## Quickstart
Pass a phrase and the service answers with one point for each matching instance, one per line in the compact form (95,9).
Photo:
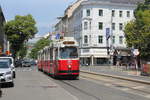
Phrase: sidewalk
(117,71)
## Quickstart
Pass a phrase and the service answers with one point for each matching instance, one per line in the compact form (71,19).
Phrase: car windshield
(9,59)
(4,64)
(68,52)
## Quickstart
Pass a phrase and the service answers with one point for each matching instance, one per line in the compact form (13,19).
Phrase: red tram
(60,58)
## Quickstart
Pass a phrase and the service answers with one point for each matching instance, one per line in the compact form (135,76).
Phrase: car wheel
(14,75)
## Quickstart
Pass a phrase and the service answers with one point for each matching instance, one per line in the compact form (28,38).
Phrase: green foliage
(19,30)
(40,44)
(22,52)
(137,31)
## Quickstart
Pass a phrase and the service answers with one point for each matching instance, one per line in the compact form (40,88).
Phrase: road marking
(147,96)
(138,87)
(24,70)
(107,84)
(125,89)
(74,97)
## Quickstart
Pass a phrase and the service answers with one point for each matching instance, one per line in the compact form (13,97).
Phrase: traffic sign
(107,33)
(57,36)
(136,52)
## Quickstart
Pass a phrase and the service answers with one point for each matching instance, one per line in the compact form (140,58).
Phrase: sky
(45,12)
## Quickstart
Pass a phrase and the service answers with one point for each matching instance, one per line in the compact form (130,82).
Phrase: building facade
(3,40)
(98,27)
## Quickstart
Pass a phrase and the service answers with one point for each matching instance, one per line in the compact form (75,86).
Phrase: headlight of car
(7,73)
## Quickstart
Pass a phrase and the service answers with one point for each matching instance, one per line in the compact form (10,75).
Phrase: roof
(4,60)
(119,1)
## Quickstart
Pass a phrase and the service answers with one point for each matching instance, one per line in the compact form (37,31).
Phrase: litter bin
(146,69)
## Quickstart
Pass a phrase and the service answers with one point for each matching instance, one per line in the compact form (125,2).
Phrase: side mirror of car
(12,66)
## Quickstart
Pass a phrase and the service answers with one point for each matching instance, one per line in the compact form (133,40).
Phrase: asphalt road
(33,85)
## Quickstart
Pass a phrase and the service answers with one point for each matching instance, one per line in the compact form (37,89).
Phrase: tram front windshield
(68,52)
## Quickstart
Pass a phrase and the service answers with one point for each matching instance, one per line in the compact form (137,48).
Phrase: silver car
(6,72)
(11,61)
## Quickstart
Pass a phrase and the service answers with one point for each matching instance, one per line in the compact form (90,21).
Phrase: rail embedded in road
(127,85)
(118,77)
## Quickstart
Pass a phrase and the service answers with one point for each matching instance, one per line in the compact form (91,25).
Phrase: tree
(22,52)
(40,44)
(137,32)
(19,31)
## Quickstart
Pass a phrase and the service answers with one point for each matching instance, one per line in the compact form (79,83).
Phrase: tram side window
(56,54)
(51,54)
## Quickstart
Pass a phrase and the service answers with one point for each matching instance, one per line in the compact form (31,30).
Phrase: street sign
(57,36)
(136,52)
(107,33)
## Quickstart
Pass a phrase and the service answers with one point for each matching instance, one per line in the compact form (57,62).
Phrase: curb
(118,77)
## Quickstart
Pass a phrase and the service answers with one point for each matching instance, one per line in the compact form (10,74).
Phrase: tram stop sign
(136,52)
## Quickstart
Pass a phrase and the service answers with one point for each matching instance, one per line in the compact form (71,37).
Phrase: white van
(11,61)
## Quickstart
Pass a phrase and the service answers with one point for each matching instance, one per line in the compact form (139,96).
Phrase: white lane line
(107,84)
(138,87)
(74,97)
(125,89)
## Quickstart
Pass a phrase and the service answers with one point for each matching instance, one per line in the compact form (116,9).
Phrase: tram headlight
(69,66)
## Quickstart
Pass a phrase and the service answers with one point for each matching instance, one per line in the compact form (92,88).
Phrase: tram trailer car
(60,58)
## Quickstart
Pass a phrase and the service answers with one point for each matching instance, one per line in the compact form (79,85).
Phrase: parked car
(6,72)
(26,64)
(18,63)
(33,62)
(11,61)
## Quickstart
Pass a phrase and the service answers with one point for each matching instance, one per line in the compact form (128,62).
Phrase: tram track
(122,84)
(80,90)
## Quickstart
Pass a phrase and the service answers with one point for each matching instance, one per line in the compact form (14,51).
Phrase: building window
(113,39)
(81,26)
(85,39)
(81,13)
(120,39)
(120,13)
(100,25)
(120,26)
(100,39)
(113,13)
(128,13)
(88,12)
(90,25)
(85,25)
(113,26)
(100,12)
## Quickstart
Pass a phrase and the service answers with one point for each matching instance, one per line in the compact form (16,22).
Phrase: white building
(88,23)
